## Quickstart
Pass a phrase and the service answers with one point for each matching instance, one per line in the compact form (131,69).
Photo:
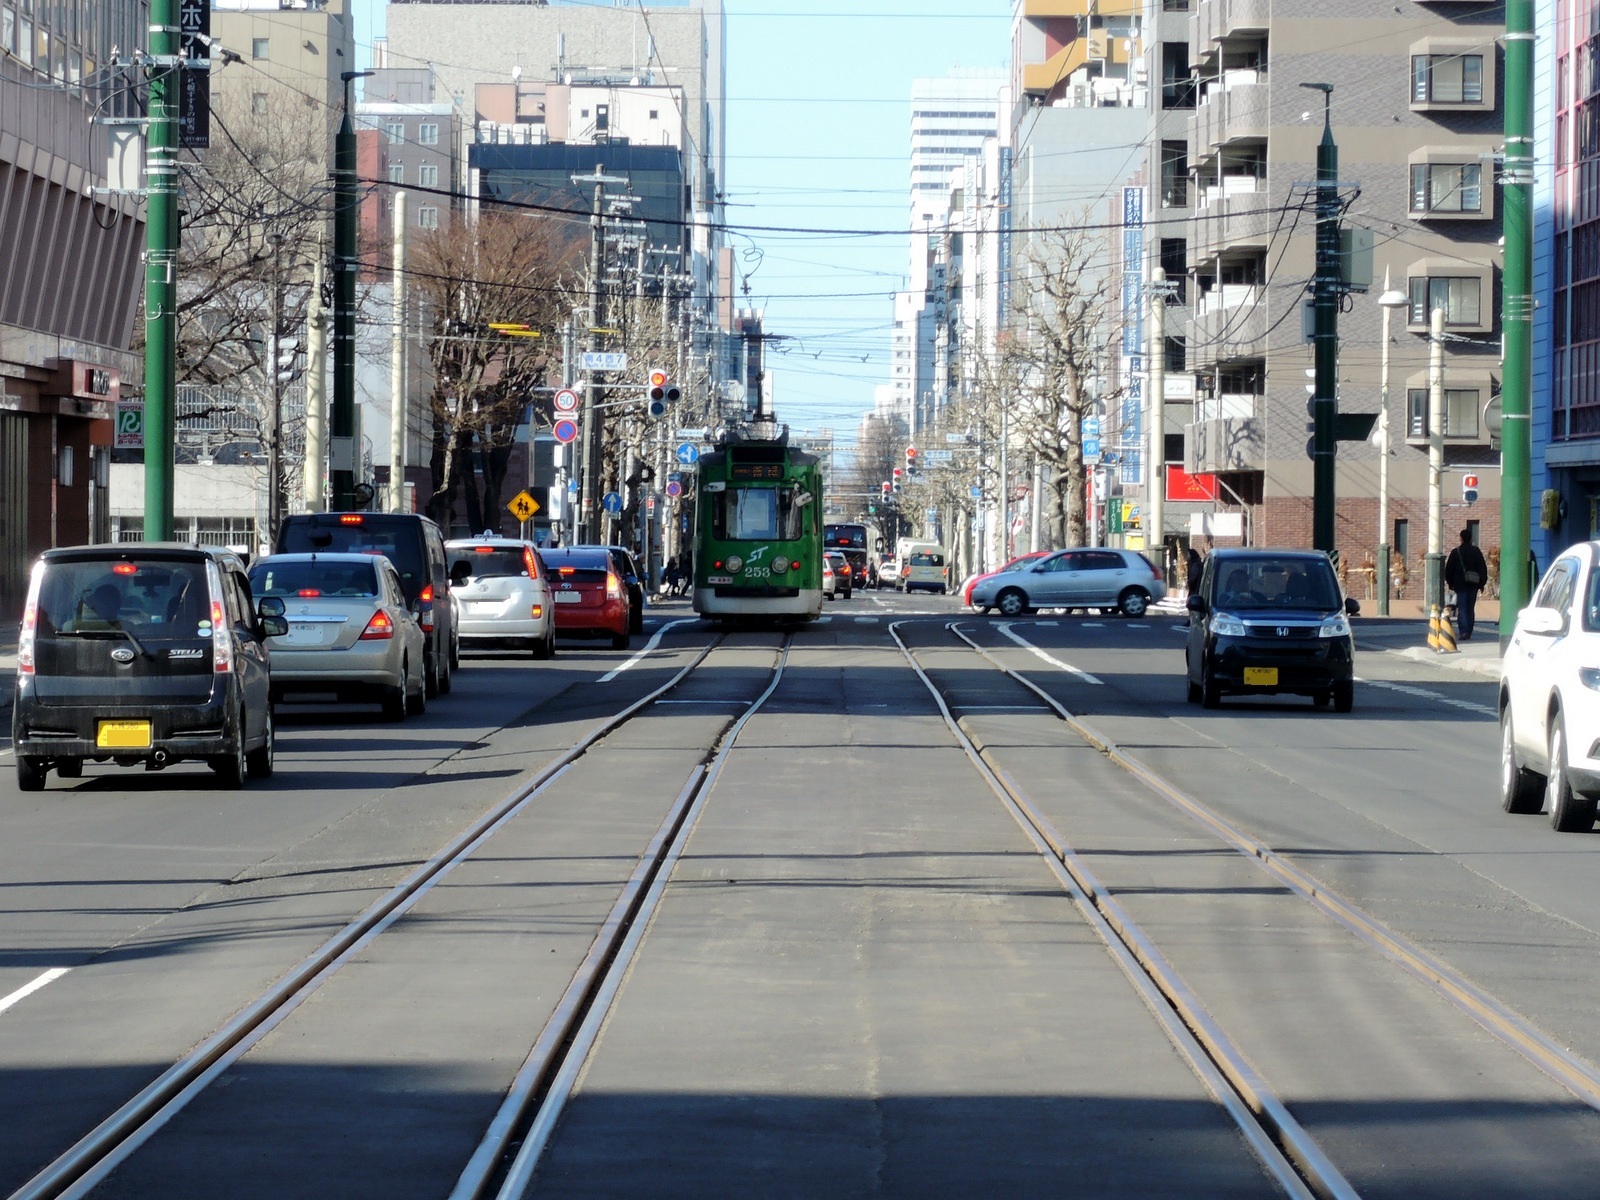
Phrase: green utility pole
(1516,389)
(344,454)
(1325,306)
(161,271)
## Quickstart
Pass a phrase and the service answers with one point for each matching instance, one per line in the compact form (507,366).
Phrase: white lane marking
(22,993)
(648,646)
(740,702)
(999,708)
(1046,624)
(866,620)
(1005,628)
(1423,694)
(1090,625)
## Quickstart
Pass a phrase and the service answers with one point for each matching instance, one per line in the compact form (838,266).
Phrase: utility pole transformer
(161,271)
(1516,389)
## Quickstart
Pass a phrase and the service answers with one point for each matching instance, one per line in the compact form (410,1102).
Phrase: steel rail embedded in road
(1495,1017)
(522,1169)
(1286,1150)
(93,1157)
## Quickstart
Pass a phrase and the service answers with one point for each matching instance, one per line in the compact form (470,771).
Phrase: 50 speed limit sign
(566,401)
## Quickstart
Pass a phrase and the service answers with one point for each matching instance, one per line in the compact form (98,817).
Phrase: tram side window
(757,514)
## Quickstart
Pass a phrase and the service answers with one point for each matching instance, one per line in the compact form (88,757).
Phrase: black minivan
(1271,622)
(415,545)
(143,654)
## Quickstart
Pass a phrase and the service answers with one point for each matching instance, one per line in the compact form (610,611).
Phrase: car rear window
(145,597)
(1276,583)
(921,559)
(269,578)
(400,541)
(484,562)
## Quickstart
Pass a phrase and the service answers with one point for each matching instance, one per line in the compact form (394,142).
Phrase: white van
(926,569)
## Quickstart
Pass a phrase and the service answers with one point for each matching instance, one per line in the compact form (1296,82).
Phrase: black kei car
(143,655)
(1271,622)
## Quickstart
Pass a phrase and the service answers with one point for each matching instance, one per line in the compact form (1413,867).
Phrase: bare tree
(1056,362)
(879,449)
(511,268)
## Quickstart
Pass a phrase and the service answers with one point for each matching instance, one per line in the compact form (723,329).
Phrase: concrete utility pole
(1325,304)
(344,452)
(589,500)
(399,403)
(161,271)
(1156,493)
(1433,579)
(274,365)
(313,474)
(1388,302)
(1516,316)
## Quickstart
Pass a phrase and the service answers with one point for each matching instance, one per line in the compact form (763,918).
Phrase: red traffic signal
(898,472)
(886,488)
(1469,481)
(662,389)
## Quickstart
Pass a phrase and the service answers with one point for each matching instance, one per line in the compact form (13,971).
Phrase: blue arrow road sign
(688,453)
(612,503)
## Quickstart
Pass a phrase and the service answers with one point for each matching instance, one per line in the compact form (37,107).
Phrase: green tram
(758,533)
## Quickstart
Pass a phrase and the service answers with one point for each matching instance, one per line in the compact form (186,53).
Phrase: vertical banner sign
(1132,432)
(194,83)
(1005,230)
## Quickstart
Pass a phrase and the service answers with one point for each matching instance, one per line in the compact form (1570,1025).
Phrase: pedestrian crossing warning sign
(523,506)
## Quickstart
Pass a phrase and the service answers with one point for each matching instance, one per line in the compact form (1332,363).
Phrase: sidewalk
(1408,637)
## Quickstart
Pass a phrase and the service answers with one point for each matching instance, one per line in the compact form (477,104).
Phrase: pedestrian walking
(673,577)
(686,575)
(1465,573)
(1192,571)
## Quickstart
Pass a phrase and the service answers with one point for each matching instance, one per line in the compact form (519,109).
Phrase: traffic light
(898,477)
(1469,488)
(911,459)
(886,490)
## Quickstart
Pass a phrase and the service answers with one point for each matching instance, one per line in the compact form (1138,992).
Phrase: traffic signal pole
(161,271)
(1325,306)
(1516,389)
(345,454)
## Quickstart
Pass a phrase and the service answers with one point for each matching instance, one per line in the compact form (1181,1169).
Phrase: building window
(1461,297)
(1446,188)
(655,114)
(428,176)
(1174,174)
(1178,86)
(1461,407)
(427,217)
(1447,79)
(258,104)
(428,134)
(397,172)
(1402,538)
(258,49)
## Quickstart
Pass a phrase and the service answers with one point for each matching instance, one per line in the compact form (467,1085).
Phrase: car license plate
(123,735)
(569,598)
(1261,676)
(302,633)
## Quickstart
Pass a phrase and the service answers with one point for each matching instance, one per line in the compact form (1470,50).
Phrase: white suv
(503,590)
(1550,696)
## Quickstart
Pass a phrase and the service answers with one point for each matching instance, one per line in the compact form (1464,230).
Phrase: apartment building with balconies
(1415,110)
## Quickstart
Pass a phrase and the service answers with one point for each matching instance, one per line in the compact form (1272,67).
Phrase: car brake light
(613,586)
(309,593)
(124,569)
(380,628)
(531,563)
(30,622)
(350,519)
(221,642)
(426,600)
(538,611)
(569,570)
(483,549)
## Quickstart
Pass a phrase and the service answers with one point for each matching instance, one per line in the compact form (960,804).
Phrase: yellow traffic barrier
(1433,629)
(1447,634)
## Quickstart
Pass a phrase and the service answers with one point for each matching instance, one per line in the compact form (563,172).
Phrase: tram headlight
(780,565)
(734,562)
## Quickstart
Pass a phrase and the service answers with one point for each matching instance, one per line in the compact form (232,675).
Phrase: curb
(1488,668)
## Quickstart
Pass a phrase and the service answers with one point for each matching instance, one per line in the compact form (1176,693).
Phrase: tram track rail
(90,1160)
(1577,1076)
(1287,1151)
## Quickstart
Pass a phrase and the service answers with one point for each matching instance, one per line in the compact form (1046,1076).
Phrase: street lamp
(1391,299)
(275,437)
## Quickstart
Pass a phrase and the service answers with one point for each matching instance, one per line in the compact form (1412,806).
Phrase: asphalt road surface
(1255,951)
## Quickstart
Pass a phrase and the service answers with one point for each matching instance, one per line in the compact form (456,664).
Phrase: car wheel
(30,774)
(446,677)
(397,699)
(1569,812)
(455,655)
(232,769)
(69,768)
(1133,602)
(550,645)
(1344,697)
(419,698)
(1011,603)
(1521,790)
(1322,699)
(1210,689)
(541,649)
(259,761)
(1193,695)
(430,675)
(619,641)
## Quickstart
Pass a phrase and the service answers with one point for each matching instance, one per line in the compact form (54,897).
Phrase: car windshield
(1276,583)
(312,577)
(486,562)
(144,597)
(756,514)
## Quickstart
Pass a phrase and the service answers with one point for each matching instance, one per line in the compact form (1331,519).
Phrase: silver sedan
(351,636)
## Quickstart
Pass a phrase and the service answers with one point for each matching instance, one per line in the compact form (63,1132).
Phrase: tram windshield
(757,514)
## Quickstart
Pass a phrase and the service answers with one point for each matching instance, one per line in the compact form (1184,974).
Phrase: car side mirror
(273,625)
(1543,622)
(1196,604)
(1352,606)
(270,606)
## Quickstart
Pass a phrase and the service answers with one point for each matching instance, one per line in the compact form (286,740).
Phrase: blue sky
(819,138)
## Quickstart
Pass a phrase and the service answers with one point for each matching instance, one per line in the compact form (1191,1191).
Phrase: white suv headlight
(1227,625)
(1335,626)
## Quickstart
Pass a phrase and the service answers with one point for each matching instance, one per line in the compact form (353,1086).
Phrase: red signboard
(1183,486)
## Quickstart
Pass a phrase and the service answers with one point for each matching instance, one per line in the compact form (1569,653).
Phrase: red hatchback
(588,593)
